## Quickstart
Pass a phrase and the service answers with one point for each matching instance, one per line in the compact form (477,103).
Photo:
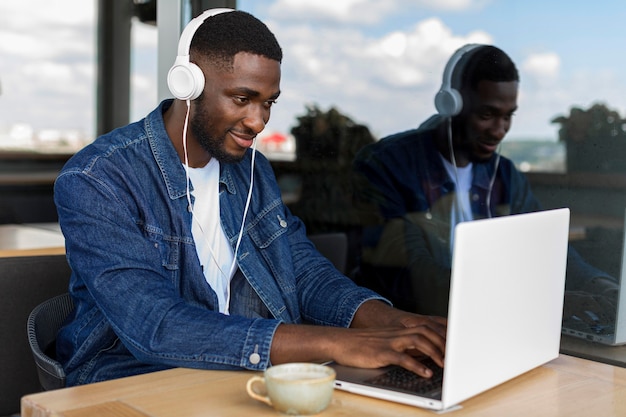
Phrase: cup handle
(255,380)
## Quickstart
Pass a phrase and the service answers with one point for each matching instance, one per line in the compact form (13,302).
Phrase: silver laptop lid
(506,300)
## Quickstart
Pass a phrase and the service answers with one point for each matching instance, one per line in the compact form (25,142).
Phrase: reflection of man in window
(423,182)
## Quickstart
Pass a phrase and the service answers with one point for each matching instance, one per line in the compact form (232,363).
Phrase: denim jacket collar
(164,152)
(439,179)
(166,156)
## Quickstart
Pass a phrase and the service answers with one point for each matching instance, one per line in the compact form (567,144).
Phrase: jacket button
(255,358)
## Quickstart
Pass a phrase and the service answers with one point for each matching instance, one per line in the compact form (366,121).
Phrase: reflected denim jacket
(142,302)
(405,179)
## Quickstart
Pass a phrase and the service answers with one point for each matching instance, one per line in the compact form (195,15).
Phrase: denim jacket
(142,302)
(404,180)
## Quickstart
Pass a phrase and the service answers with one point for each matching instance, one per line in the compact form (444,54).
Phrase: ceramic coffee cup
(294,388)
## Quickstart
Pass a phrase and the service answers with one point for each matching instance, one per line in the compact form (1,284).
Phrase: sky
(378,62)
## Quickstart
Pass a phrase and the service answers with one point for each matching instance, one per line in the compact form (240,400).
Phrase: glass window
(356,72)
(143,94)
(47,75)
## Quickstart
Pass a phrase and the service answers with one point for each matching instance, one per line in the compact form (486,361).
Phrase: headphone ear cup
(185,81)
(448,102)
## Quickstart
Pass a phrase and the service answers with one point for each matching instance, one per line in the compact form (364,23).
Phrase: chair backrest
(333,246)
(25,282)
(43,324)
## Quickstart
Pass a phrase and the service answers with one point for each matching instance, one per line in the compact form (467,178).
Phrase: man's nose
(499,128)
(256,118)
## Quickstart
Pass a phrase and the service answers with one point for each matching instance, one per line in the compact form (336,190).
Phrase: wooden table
(567,386)
(31,239)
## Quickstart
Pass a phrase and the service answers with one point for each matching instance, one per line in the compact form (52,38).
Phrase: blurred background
(354,71)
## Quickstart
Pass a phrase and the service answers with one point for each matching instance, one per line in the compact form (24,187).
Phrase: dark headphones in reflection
(185,79)
(449,103)
(448,100)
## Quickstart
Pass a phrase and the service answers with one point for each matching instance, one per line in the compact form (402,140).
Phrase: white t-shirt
(462,207)
(214,251)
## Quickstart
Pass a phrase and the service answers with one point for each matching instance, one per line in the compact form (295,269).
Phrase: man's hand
(379,336)
(590,308)
(375,313)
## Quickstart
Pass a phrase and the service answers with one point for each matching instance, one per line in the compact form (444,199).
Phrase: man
(164,271)
(411,180)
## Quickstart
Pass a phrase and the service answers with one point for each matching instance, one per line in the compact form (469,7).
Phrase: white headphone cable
(456,171)
(245,210)
(188,186)
(492,181)
(186,164)
(190,205)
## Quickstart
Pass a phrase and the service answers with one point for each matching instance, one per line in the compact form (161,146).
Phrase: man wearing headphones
(417,185)
(182,252)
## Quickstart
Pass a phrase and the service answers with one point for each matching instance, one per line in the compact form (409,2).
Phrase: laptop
(609,330)
(505,310)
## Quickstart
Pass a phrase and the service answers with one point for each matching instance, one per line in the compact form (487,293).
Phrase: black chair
(25,282)
(43,324)
(333,246)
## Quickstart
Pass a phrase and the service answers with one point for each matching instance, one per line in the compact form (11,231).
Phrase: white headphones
(185,79)
(448,100)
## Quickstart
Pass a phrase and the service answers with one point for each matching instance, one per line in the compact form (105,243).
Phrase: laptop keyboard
(401,379)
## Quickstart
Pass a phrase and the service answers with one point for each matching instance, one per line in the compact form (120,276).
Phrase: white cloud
(143,94)
(46,14)
(394,44)
(456,5)
(356,11)
(543,95)
(47,63)
(144,63)
(52,74)
(427,48)
(546,91)
(143,35)
(46,28)
(385,82)
(361,12)
(350,54)
(23,45)
(542,65)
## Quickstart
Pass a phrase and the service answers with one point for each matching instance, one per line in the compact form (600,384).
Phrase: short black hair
(484,63)
(224,35)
